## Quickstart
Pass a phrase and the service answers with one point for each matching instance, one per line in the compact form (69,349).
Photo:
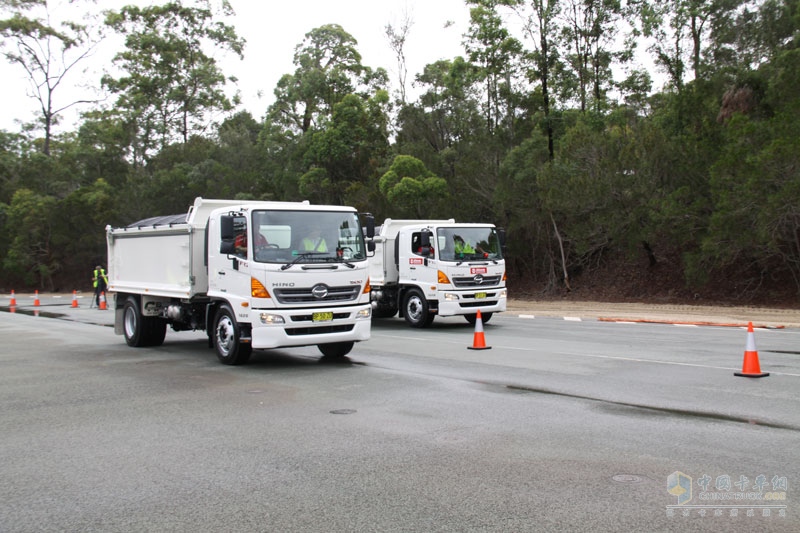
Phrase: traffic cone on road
(750,366)
(103,301)
(13,302)
(478,342)
(36,299)
(74,299)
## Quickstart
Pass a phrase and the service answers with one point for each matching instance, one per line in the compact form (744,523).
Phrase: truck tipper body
(244,272)
(418,272)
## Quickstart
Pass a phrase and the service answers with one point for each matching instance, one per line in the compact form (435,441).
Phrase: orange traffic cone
(74,299)
(750,367)
(479,343)
(103,301)
(36,299)
(13,302)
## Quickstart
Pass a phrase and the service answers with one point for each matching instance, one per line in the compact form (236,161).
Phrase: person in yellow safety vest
(462,248)
(315,242)
(100,283)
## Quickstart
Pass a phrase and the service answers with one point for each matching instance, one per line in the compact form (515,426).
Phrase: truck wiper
(300,257)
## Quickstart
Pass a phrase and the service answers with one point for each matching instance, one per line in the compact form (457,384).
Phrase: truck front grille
(306,295)
(471,281)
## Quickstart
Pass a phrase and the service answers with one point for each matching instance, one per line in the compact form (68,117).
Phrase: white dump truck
(424,268)
(253,275)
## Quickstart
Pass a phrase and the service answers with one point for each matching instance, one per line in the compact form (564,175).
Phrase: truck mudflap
(492,302)
(305,328)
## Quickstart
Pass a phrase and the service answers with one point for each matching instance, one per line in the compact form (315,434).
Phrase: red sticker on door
(414,260)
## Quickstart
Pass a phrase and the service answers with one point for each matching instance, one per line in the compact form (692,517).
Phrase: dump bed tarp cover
(166,220)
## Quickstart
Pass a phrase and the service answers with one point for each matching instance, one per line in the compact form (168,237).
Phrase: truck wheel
(335,349)
(384,311)
(485,317)
(226,339)
(141,331)
(415,309)
(132,323)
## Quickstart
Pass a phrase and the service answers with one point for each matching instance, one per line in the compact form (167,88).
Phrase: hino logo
(478,279)
(284,284)
(319,291)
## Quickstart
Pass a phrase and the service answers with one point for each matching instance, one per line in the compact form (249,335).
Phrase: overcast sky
(272,29)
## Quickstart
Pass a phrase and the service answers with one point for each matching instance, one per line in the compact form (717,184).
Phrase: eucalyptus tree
(171,84)
(681,33)
(343,156)
(50,51)
(540,26)
(414,191)
(590,33)
(326,133)
(328,67)
(496,57)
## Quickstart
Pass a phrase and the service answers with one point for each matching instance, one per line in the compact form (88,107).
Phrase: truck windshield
(294,237)
(468,243)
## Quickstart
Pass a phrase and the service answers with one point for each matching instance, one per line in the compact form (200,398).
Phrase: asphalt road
(563,425)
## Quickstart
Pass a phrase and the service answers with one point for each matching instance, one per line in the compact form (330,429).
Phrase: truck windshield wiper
(300,257)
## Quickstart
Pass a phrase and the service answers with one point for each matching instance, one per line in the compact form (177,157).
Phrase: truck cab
(422,269)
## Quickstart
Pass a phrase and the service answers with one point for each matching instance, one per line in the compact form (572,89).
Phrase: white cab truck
(253,275)
(419,271)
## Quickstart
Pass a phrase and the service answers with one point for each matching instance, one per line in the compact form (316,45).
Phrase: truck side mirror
(371,246)
(227,247)
(425,239)
(369,224)
(226,232)
(227,235)
(501,235)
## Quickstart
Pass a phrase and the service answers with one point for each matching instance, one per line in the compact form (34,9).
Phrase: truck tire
(141,331)
(335,349)
(485,317)
(415,309)
(384,311)
(230,351)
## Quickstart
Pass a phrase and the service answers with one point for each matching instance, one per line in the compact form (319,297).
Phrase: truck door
(417,259)
(229,270)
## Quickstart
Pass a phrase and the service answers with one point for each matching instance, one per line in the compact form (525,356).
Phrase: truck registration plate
(322,317)
(480,295)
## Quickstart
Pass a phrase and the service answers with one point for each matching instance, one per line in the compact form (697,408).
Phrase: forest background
(608,187)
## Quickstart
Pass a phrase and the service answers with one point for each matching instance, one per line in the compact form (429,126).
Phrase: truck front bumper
(453,303)
(304,327)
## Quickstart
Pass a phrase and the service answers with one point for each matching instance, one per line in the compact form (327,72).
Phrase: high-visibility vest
(311,245)
(102,274)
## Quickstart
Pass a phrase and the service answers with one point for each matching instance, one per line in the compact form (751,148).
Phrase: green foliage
(413,190)
(170,83)
(30,219)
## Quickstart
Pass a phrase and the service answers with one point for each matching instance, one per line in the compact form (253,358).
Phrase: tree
(541,28)
(30,254)
(495,54)
(397,42)
(328,68)
(349,149)
(171,87)
(591,29)
(413,190)
(49,51)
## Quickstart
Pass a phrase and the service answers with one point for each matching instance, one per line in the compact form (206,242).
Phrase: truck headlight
(503,293)
(364,313)
(450,297)
(269,318)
